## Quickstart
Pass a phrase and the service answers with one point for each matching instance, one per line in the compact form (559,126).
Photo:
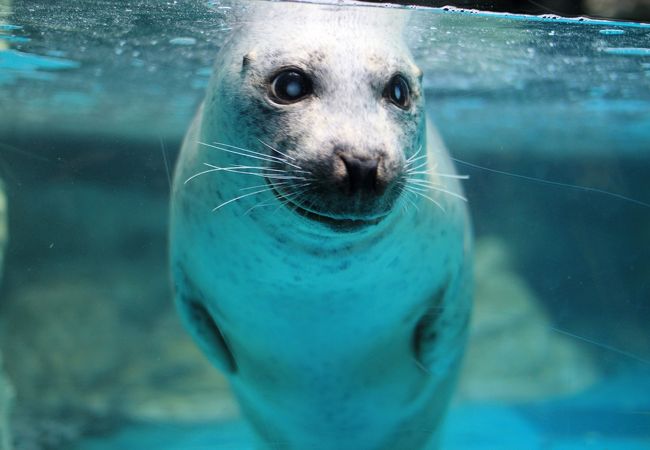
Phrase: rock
(513,354)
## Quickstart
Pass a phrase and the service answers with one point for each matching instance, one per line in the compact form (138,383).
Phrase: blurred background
(637,10)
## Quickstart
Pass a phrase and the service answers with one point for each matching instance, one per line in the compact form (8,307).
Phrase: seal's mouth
(336,223)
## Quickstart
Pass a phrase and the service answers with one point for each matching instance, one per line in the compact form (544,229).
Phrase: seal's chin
(336,223)
(342,224)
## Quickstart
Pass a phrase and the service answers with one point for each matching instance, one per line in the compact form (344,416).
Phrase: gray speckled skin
(330,339)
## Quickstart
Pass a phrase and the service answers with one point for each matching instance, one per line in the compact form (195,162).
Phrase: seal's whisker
(263,155)
(213,168)
(265,175)
(263,158)
(411,168)
(291,201)
(452,175)
(407,197)
(199,174)
(302,204)
(240,197)
(232,168)
(270,169)
(263,185)
(274,176)
(421,165)
(288,197)
(438,189)
(440,175)
(255,155)
(417,172)
(409,160)
(261,205)
(410,200)
(243,149)
(421,188)
(253,167)
(404,207)
(276,150)
(421,172)
(401,203)
(422,182)
(413,161)
(452,193)
(308,206)
(410,189)
(292,186)
(269,176)
(418,167)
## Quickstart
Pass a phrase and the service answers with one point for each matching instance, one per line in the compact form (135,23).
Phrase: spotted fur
(330,339)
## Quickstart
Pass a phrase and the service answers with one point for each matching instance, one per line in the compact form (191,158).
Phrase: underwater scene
(322,225)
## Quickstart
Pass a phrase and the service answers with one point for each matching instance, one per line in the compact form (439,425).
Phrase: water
(549,117)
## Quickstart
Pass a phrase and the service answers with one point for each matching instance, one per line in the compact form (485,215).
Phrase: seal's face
(339,116)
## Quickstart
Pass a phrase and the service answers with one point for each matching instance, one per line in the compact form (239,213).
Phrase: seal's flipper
(203,327)
(440,334)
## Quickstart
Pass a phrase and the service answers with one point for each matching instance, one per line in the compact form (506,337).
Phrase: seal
(319,238)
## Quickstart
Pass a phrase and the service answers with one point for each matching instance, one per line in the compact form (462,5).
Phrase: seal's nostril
(362,174)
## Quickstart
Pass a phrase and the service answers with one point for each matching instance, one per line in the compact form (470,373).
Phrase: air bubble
(612,32)
(183,41)
(628,51)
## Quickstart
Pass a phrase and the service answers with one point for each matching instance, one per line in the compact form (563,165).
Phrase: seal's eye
(290,86)
(398,92)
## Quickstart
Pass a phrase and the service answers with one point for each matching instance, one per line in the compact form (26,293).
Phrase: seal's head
(339,115)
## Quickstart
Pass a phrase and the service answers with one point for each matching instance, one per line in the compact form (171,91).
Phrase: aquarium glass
(549,118)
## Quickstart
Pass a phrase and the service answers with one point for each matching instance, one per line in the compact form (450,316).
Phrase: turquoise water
(549,117)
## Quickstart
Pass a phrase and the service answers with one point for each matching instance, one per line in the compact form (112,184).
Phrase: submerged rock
(513,353)
(106,341)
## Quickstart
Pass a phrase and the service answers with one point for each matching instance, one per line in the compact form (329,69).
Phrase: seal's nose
(362,174)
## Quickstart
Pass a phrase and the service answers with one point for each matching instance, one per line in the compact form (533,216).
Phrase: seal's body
(319,244)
